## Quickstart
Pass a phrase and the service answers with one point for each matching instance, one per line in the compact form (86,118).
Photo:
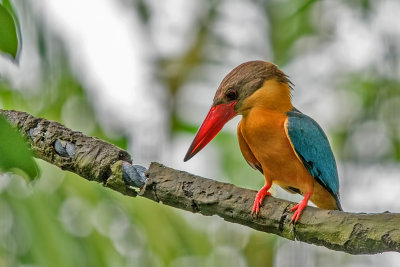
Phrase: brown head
(235,88)
(245,79)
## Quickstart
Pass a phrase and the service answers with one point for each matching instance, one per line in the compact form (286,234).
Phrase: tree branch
(96,160)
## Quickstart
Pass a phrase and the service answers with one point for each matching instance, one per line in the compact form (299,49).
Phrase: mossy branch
(96,160)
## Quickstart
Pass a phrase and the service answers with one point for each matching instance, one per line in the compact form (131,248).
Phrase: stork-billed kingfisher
(289,148)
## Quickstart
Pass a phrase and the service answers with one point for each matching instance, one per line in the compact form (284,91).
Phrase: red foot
(259,198)
(299,208)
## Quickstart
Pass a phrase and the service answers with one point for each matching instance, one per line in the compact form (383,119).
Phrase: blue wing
(312,147)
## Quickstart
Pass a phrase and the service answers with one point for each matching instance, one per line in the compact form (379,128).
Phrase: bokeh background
(142,73)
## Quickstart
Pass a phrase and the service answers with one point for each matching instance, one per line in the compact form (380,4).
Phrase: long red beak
(212,124)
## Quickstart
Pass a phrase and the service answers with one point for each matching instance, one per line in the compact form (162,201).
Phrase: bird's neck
(272,96)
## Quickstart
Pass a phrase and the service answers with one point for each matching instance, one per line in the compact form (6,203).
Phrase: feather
(313,149)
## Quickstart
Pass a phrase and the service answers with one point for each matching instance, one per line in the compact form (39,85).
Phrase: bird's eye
(232,95)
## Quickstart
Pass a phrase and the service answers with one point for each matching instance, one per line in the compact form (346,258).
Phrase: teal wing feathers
(312,146)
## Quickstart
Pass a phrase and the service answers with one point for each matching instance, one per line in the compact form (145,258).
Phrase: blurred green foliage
(291,20)
(378,103)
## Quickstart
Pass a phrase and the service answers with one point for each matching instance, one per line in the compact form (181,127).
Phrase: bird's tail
(338,205)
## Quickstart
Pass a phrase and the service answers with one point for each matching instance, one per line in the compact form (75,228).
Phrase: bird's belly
(289,173)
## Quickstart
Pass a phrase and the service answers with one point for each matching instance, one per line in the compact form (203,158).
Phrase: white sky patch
(110,54)
(172,25)
(99,38)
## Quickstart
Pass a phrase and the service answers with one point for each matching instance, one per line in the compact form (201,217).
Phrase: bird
(288,147)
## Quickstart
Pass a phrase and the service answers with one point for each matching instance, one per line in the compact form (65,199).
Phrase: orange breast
(263,130)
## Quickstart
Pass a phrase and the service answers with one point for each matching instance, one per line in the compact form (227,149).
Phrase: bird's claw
(299,208)
(256,207)
(296,214)
(259,198)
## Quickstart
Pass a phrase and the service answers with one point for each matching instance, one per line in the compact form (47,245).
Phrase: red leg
(259,198)
(299,207)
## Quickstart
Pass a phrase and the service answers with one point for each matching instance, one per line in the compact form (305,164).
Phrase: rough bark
(96,160)
(91,158)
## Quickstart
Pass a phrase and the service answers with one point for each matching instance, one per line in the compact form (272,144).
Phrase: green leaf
(14,153)
(9,31)
(7,4)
